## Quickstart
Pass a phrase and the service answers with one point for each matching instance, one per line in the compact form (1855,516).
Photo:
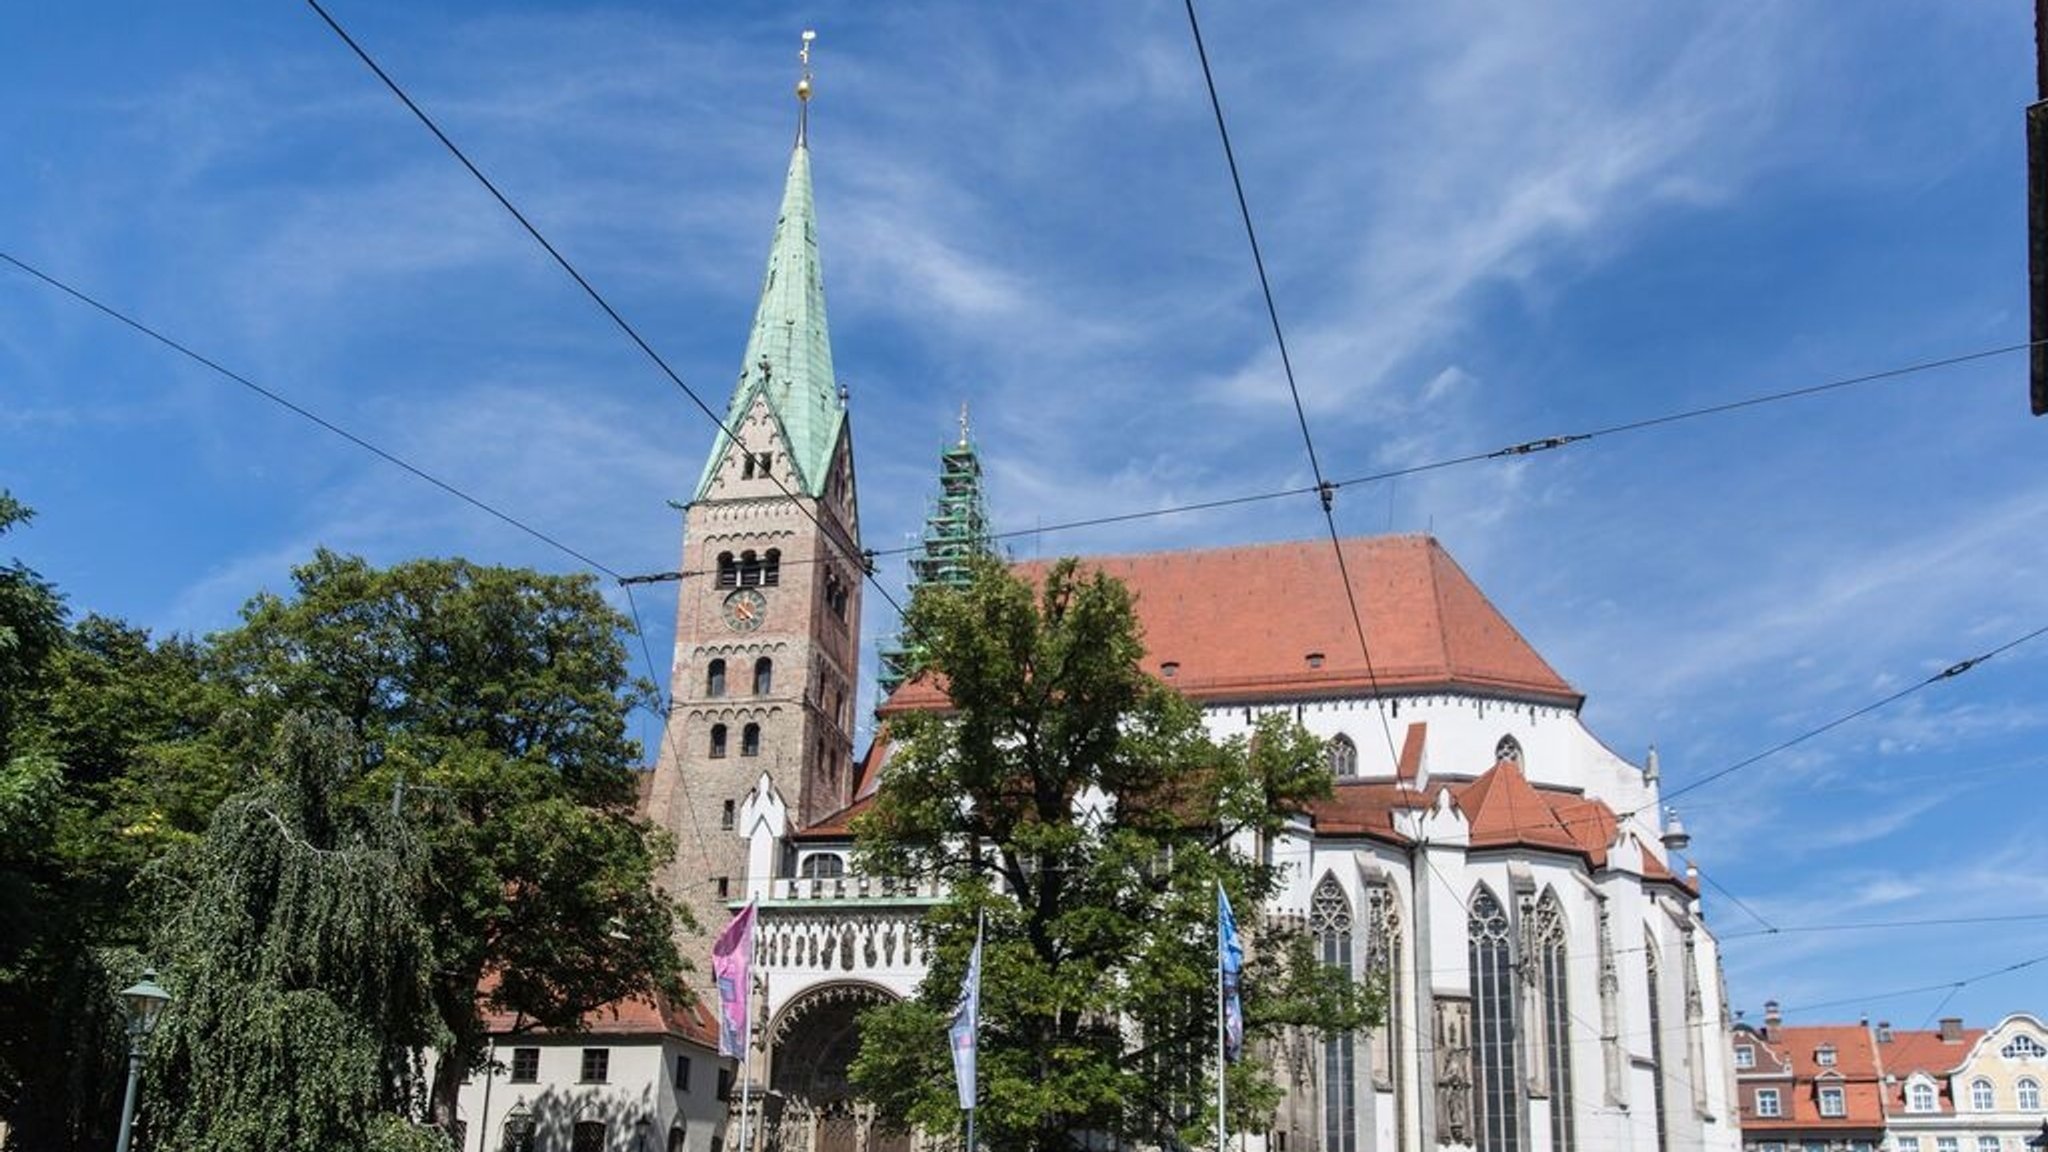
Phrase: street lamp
(519,1128)
(145,1001)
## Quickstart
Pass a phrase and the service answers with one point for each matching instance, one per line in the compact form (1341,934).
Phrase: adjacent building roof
(1855,1071)
(1272,621)
(653,1015)
(789,349)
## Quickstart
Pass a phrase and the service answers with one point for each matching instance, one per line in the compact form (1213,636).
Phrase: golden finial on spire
(803,85)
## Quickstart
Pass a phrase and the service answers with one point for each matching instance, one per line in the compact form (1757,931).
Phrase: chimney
(1771,1016)
(1884,1031)
(1951,1029)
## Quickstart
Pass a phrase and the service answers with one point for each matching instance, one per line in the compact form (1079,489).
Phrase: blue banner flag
(1229,963)
(965,1032)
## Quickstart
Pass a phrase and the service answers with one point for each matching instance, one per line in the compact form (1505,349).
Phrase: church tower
(768,616)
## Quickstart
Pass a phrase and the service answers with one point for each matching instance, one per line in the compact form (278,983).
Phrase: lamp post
(145,1000)
(519,1128)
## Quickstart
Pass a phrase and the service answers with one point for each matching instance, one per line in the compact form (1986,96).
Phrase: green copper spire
(956,532)
(789,351)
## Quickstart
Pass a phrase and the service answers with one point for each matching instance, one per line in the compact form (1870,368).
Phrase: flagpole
(747,1047)
(1222,1038)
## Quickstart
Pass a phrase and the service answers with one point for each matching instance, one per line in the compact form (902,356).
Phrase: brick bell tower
(768,626)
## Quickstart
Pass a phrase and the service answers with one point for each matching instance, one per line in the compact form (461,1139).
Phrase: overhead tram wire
(857,557)
(1951,986)
(1325,492)
(297,409)
(281,401)
(1521,448)
(1878,925)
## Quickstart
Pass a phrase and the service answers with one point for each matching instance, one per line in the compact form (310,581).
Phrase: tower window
(728,572)
(714,678)
(750,569)
(771,567)
(725,816)
(764,676)
(750,740)
(718,741)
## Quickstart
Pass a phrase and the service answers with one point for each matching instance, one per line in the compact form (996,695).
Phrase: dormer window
(1920,1097)
(1315,659)
(1832,1103)
(1170,669)
(1824,1056)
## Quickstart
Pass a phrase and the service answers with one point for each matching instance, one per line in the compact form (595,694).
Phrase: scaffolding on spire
(956,533)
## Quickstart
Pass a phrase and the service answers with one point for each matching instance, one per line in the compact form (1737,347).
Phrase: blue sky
(1485,223)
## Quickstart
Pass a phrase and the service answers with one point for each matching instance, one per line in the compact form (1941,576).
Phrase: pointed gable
(788,362)
(1505,809)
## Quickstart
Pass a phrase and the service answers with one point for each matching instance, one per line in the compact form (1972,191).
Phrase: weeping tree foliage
(1083,808)
(491,705)
(300,965)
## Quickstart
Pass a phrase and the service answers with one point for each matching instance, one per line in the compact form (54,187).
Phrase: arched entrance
(811,1045)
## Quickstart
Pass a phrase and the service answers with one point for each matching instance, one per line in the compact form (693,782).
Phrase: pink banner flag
(732,959)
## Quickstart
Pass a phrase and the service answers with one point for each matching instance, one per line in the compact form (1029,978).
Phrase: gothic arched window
(1549,937)
(1342,755)
(1508,751)
(750,740)
(717,741)
(714,678)
(1654,982)
(1330,919)
(764,676)
(771,568)
(728,571)
(1491,953)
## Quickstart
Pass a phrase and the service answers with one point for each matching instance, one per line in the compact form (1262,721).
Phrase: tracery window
(1330,919)
(1549,936)
(1491,953)
(1981,1097)
(1342,755)
(1655,984)
(1508,751)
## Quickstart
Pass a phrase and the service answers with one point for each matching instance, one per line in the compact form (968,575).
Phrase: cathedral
(1514,884)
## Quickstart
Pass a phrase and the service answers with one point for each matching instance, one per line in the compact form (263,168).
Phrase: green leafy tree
(300,965)
(1083,808)
(490,706)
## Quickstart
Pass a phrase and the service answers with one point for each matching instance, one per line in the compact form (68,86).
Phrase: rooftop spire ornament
(803,87)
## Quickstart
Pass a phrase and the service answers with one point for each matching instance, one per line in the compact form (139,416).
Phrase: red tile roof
(1914,1050)
(653,1015)
(1271,621)
(1855,1071)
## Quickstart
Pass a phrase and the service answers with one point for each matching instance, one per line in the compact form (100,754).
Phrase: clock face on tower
(745,610)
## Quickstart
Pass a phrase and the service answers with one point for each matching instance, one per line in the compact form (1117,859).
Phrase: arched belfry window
(1330,920)
(728,571)
(771,567)
(750,569)
(1342,755)
(1491,953)
(717,741)
(714,678)
(1508,751)
(1549,938)
(750,740)
(764,676)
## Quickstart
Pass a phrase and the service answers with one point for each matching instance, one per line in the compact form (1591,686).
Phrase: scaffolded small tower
(955,533)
